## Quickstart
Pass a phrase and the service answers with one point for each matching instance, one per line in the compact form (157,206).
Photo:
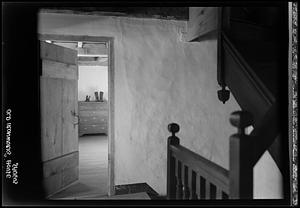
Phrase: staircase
(252,56)
(252,62)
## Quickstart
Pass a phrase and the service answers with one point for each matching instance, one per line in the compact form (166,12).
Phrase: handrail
(211,171)
(191,176)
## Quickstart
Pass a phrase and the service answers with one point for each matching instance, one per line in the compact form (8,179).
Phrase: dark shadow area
(21,95)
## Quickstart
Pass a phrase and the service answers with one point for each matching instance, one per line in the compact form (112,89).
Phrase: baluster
(198,186)
(213,191)
(202,188)
(171,179)
(207,189)
(192,184)
(176,176)
(179,186)
(219,193)
(240,161)
(186,189)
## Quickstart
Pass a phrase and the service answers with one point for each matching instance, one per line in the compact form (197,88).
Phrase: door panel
(59,123)
(58,53)
(59,70)
(70,122)
(60,172)
(51,118)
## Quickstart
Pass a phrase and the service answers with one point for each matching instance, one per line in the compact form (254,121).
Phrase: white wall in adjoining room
(91,79)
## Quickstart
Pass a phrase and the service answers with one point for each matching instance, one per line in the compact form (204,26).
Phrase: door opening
(94,116)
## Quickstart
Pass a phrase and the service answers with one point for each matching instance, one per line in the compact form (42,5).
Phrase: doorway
(95,115)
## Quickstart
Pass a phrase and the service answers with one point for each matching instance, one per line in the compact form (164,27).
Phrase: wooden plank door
(59,123)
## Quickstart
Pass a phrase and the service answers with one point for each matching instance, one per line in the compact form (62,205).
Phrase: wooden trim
(220,76)
(111,117)
(223,25)
(207,169)
(72,38)
(61,156)
(111,100)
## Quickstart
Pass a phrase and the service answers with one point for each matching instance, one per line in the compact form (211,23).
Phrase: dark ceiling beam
(176,13)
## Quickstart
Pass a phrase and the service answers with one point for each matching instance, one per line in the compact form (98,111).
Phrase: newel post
(240,157)
(171,179)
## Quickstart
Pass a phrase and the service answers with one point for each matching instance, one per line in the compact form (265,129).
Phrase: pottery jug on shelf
(101,96)
(96,96)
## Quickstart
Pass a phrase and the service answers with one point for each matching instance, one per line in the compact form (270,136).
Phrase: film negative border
(294,111)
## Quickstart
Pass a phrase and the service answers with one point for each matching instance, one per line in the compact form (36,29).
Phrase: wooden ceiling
(176,13)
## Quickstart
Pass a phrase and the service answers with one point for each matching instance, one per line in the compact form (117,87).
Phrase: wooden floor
(93,171)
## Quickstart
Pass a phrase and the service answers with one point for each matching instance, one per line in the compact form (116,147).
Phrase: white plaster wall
(267,178)
(158,80)
(268,181)
(91,79)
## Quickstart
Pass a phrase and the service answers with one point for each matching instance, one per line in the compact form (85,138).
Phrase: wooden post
(240,161)
(171,180)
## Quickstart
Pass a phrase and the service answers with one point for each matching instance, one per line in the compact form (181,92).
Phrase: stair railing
(193,177)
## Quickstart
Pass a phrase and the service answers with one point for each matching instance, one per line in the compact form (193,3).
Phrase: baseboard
(137,187)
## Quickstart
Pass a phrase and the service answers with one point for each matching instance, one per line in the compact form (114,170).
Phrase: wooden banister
(241,157)
(211,171)
(191,176)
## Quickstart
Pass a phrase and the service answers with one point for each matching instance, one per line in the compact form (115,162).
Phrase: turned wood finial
(173,128)
(241,120)
(223,95)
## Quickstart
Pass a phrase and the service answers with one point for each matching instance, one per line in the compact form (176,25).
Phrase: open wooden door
(59,120)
